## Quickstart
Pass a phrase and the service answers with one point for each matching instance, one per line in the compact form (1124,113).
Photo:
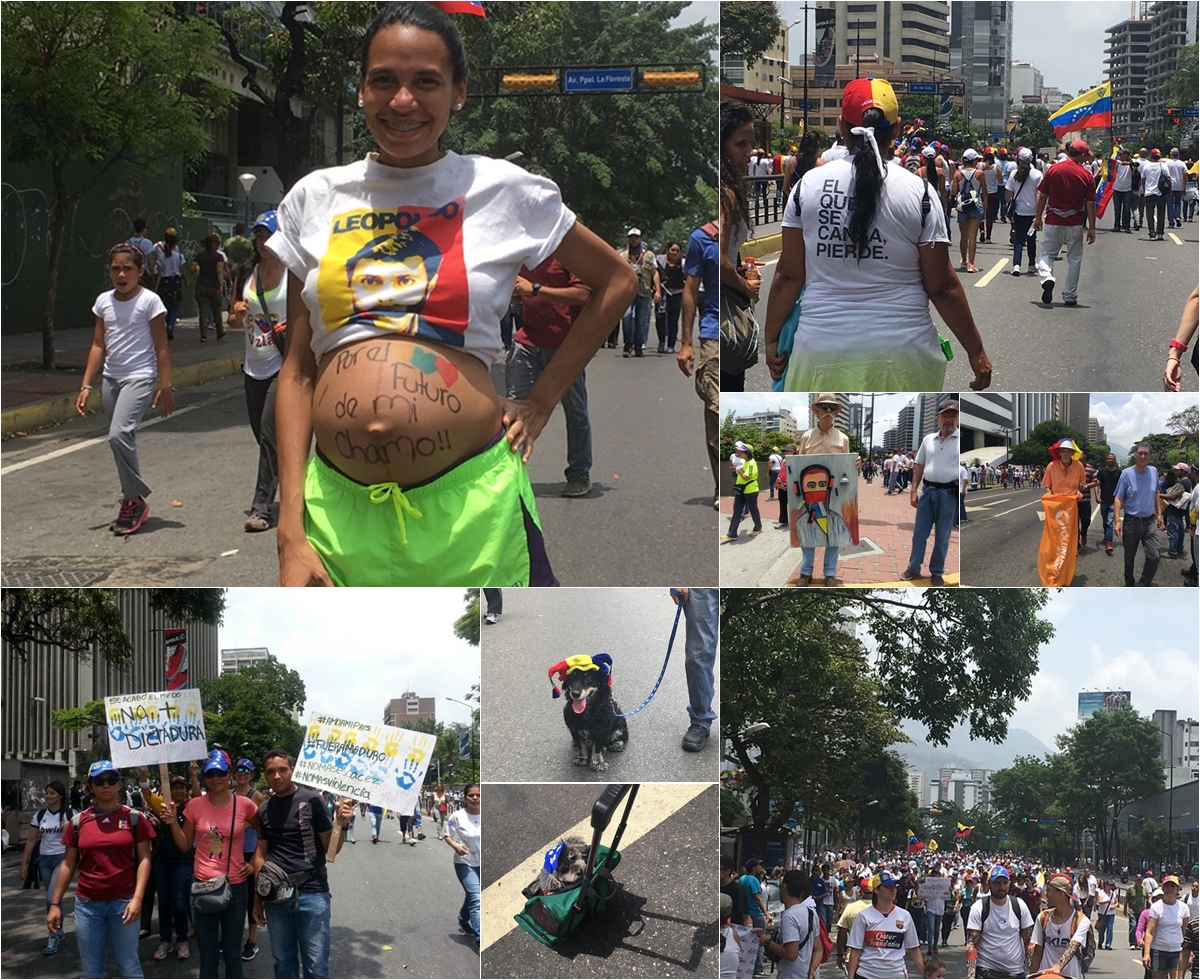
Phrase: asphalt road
(379,928)
(648,519)
(527,741)
(1004,530)
(663,922)
(1131,293)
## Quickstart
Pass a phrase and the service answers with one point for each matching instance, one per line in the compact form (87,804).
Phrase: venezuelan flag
(459,7)
(1091,110)
(1104,192)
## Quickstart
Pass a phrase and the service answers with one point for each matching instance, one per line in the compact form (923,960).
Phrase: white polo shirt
(939,457)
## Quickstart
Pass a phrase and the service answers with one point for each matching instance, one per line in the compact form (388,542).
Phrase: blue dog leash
(667,660)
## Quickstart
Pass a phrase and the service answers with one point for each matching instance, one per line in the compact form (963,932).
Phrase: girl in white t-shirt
(402,266)
(463,835)
(858,229)
(1021,190)
(260,308)
(46,828)
(130,338)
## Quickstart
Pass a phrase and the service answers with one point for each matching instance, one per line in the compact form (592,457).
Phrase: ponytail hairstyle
(170,240)
(734,115)
(806,159)
(868,175)
(931,173)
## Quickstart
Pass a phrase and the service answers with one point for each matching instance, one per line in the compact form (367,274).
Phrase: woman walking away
(171,277)
(970,194)
(130,337)
(260,308)
(45,833)
(109,844)
(462,834)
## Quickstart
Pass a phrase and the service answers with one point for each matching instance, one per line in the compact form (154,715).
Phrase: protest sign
(934,889)
(160,726)
(822,500)
(383,765)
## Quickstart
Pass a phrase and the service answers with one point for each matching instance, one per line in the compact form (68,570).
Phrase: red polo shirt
(545,323)
(1068,187)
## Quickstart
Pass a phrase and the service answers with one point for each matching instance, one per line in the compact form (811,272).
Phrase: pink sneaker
(183,952)
(132,516)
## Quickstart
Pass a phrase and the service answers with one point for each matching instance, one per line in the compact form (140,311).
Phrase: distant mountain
(964,753)
(1121,452)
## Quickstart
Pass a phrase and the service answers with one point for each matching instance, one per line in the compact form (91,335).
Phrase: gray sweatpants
(125,402)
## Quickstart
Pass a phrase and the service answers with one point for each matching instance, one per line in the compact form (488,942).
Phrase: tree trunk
(58,234)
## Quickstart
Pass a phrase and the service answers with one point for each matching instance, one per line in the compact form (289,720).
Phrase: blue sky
(356,649)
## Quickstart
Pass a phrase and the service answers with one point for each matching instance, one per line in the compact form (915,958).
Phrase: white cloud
(1143,413)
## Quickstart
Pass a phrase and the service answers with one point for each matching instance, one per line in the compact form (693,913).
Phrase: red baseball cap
(869,93)
(1078,146)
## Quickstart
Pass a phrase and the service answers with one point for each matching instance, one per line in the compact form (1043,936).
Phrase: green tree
(1181,87)
(1021,794)
(800,664)
(749,28)
(466,627)
(617,158)
(1033,451)
(1113,759)
(923,107)
(733,808)
(751,435)
(250,710)
(89,87)
(1186,423)
(1033,128)
(1164,449)
(87,622)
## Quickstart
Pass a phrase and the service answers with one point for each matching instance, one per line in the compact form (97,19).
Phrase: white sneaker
(1016,270)
(491,619)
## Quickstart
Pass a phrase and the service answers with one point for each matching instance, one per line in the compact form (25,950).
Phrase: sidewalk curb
(61,408)
(758,247)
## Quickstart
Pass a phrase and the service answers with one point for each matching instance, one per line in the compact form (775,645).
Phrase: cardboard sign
(822,500)
(162,726)
(383,765)
(934,889)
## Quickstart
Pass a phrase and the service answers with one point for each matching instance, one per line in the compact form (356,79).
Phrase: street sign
(598,80)
(922,88)
(1191,110)
(950,88)
(1046,820)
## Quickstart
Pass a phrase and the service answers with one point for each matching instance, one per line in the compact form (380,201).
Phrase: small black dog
(590,711)
(564,866)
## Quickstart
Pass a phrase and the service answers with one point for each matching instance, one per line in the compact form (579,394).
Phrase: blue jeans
(1121,210)
(48,868)
(1175,531)
(300,933)
(222,929)
(468,915)
(758,922)
(173,884)
(636,322)
(1106,518)
(935,511)
(96,925)
(376,819)
(1104,929)
(525,365)
(808,560)
(933,929)
(962,508)
(701,615)
(1175,206)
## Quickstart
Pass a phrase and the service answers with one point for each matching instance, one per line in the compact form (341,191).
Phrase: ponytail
(869,175)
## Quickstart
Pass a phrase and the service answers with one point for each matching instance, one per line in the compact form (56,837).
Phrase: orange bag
(1060,540)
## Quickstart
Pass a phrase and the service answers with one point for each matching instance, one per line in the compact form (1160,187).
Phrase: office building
(843,416)
(234,660)
(763,75)
(1128,52)
(1026,84)
(1071,408)
(967,788)
(919,786)
(981,52)
(1030,409)
(780,421)
(408,708)
(910,35)
(1172,26)
(1093,430)
(983,419)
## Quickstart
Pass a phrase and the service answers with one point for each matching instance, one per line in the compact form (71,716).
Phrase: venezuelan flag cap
(869,93)
(1065,447)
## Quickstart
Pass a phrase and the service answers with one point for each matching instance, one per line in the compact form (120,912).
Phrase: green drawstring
(382,492)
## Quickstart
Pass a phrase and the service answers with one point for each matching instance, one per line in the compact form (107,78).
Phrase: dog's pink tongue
(579,706)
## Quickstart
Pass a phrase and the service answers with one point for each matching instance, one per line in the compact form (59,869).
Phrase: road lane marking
(502,899)
(101,440)
(995,271)
(1175,238)
(1014,509)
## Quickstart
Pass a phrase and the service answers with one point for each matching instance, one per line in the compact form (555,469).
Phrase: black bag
(739,332)
(1164,181)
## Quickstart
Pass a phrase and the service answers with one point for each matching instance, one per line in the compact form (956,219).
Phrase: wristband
(1177,344)
(85,388)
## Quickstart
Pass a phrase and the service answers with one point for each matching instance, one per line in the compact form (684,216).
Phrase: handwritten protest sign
(934,889)
(383,765)
(161,726)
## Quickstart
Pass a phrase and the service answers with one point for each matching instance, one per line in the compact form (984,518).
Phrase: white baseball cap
(970,154)
(634,231)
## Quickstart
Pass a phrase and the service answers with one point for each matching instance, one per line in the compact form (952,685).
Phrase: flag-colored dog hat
(601,662)
(1065,446)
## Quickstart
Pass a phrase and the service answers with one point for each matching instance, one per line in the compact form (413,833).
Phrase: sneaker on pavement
(132,516)
(908,574)
(52,943)
(491,618)
(1048,291)
(577,486)
(183,951)
(937,580)
(716,503)
(694,738)
(1016,270)
(1070,302)
(250,950)
(256,523)
(729,537)
(163,951)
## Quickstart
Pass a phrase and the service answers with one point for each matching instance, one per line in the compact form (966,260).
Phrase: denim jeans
(1175,206)
(1022,241)
(962,508)
(173,885)
(96,925)
(1104,929)
(1106,518)
(808,561)
(222,929)
(260,407)
(1175,530)
(48,865)
(300,933)
(933,926)
(376,819)
(758,922)
(525,365)
(636,322)
(674,308)
(701,614)
(1121,210)
(935,511)
(468,915)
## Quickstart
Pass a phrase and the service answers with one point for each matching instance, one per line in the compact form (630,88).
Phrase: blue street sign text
(598,80)
(922,88)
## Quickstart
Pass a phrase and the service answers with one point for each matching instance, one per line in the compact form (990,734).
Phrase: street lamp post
(1170,794)
(247,180)
(782,103)
(470,729)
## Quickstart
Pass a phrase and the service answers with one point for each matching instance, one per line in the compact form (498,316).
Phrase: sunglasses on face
(105,780)
(243,772)
(472,796)
(827,408)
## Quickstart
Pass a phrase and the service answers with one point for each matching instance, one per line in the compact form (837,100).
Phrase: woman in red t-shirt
(109,844)
(216,823)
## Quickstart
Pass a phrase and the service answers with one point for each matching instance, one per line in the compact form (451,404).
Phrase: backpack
(826,942)
(1087,953)
(739,329)
(968,195)
(1164,180)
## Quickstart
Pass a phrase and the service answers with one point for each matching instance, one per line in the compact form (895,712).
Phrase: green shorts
(474,525)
